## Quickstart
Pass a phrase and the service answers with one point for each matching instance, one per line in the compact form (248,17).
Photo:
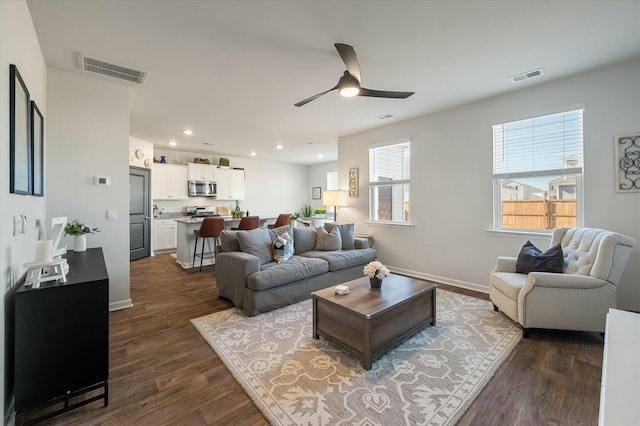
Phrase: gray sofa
(247,275)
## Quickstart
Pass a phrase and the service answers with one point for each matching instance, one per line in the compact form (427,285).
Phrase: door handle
(147,217)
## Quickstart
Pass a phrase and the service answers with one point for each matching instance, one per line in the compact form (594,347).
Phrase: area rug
(430,379)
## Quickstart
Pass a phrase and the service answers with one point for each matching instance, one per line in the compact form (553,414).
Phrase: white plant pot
(80,243)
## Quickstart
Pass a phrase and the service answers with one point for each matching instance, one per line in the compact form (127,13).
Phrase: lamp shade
(334,198)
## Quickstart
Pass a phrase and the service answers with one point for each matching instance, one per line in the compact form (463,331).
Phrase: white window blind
(332,181)
(390,163)
(389,183)
(539,146)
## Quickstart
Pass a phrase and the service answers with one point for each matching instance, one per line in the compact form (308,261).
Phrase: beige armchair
(577,299)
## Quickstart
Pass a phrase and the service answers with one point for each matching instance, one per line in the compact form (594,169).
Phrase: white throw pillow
(282,248)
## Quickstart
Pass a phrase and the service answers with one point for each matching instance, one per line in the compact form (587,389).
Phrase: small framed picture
(37,144)
(353,183)
(19,135)
(627,166)
(316,193)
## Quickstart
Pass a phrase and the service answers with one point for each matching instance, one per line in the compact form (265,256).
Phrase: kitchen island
(186,239)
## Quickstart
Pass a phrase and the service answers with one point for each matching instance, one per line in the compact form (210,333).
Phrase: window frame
(577,171)
(394,182)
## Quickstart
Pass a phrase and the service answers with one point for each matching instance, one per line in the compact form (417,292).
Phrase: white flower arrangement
(375,269)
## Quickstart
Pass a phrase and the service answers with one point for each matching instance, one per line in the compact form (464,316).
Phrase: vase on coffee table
(375,282)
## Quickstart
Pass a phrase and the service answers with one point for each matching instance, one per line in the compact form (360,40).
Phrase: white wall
(142,145)
(87,136)
(16,24)
(318,177)
(271,188)
(451,181)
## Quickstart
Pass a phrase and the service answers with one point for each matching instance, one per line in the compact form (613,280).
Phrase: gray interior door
(139,214)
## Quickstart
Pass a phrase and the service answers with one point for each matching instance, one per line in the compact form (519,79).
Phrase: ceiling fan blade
(306,101)
(349,58)
(384,94)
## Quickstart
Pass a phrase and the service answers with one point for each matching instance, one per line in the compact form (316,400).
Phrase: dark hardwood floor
(163,373)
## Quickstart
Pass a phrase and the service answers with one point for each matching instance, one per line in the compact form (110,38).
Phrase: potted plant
(306,210)
(79,231)
(237,214)
(224,162)
(320,212)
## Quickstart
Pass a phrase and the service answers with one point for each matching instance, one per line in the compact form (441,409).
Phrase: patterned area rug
(430,379)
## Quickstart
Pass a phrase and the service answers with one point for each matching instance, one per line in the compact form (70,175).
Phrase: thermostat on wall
(102,180)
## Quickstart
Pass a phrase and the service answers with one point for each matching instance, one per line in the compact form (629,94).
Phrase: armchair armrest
(232,270)
(361,243)
(505,264)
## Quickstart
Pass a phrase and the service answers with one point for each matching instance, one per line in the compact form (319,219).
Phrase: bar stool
(211,227)
(247,223)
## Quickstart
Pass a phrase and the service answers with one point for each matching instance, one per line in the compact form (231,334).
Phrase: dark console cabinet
(62,335)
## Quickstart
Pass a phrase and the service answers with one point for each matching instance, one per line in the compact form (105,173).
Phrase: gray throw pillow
(229,241)
(276,232)
(257,243)
(346,233)
(304,239)
(328,241)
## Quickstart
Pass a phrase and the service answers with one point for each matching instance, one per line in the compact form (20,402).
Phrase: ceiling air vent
(527,75)
(110,69)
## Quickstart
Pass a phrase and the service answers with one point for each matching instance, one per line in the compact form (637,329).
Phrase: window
(389,181)
(332,185)
(537,172)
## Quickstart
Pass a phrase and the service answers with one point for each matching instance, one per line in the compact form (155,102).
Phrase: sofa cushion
(342,259)
(282,248)
(304,239)
(531,259)
(509,283)
(256,242)
(346,233)
(328,241)
(229,241)
(276,274)
(276,232)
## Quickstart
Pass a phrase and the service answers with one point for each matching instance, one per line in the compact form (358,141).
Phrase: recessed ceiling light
(253,154)
(279,146)
(320,155)
(173,143)
(187,132)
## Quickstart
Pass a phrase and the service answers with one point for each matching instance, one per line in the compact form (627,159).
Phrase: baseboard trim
(444,280)
(121,304)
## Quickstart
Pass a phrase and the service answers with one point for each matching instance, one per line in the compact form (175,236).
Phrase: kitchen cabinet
(169,182)
(165,234)
(198,171)
(229,184)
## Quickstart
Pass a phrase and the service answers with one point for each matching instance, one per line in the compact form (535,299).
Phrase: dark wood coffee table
(370,322)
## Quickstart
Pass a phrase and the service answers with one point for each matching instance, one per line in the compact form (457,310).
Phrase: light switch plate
(112,214)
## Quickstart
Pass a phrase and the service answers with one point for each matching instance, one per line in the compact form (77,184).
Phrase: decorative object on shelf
(147,163)
(335,199)
(316,193)
(353,183)
(223,162)
(163,159)
(320,212)
(79,231)
(155,160)
(201,160)
(376,272)
(20,181)
(139,154)
(306,210)
(37,144)
(223,210)
(628,163)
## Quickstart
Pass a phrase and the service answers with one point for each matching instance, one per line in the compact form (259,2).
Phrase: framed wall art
(37,144)
(353,183)
(316,193)
(19,135)
(627,167)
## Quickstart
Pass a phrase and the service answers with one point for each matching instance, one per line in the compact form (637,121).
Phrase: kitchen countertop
(170,215)
(226,219)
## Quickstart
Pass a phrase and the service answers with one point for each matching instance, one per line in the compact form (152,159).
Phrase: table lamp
(335,199)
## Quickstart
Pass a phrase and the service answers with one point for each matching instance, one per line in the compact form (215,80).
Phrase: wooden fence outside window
(538,214)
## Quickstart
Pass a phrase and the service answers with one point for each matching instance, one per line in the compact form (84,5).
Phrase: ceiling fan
(349,83)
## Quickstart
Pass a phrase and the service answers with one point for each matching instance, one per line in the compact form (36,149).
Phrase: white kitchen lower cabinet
(165,233)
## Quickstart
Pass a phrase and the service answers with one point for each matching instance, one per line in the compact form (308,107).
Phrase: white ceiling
(232,70)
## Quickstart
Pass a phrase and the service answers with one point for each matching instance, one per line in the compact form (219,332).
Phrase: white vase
(80,243)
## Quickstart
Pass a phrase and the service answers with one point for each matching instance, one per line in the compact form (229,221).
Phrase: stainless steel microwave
(199,188)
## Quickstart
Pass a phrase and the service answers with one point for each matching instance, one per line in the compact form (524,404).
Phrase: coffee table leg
(315,318)
(366,346)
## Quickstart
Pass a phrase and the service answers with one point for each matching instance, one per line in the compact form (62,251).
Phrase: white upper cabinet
(204,172)
(169,182)
(229,184)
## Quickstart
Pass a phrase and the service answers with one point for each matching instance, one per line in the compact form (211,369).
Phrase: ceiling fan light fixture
(348,85)
(348,92)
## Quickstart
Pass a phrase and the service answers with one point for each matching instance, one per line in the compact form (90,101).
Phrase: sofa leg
(495,308)
(525,333)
